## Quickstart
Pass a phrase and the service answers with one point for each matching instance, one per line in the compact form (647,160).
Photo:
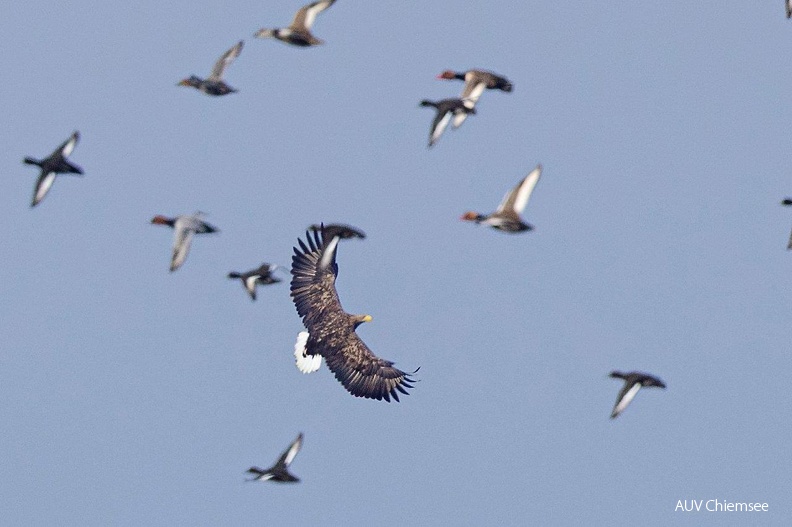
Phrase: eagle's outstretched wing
(331,330)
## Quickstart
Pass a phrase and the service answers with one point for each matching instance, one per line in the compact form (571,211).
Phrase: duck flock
(329,333)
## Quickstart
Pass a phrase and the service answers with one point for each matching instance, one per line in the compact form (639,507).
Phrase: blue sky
(135,396)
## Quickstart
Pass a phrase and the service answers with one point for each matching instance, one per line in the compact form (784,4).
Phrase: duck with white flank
(262,275)
(633,381)
(343,231)
(52,165)
(214,84)
(445,109)
(331,330)
(507,217)
(299,31)
(184,228)
(476,81)
(280,470)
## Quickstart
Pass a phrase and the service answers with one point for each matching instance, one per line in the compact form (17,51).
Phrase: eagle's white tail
(305,363)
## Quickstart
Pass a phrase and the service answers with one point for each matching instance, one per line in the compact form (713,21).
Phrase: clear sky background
(133,396)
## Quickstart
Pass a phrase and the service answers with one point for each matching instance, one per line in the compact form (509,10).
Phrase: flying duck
(445,109)
(262,275)
(789,8)
(633,381)
(331,330)
(214,84)
(280,470)
(55,163)
(476,81)
(787,202)
(341,230)
(299,31)
(507,217)
(184,227)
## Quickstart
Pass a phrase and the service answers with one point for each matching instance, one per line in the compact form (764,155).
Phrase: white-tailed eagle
(331,330)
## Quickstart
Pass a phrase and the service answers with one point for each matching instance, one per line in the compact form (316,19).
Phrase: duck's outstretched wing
(288,455)
(304,18)
(625,397)
(517,198)
(225,61)
(182,240)
(67,147)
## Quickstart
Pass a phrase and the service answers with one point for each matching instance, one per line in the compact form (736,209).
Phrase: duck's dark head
(426,102)
(192,80)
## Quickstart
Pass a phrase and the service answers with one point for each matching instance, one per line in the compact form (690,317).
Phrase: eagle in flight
(331,330)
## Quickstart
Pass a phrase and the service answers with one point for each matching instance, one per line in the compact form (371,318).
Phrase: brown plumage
(331,330)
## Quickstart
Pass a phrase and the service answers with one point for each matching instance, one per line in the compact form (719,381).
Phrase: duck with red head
(476,81)
(184,227)
(507,217)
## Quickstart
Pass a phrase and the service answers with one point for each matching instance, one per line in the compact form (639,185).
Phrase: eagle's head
(359,319)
